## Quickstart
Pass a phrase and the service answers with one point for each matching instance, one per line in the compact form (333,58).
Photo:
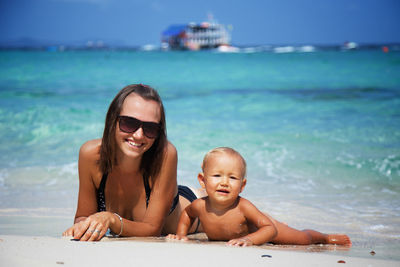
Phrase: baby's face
(223,177)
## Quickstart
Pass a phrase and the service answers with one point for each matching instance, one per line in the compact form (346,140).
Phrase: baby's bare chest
(224,227)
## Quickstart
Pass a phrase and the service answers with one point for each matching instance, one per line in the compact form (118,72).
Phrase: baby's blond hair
(226,150)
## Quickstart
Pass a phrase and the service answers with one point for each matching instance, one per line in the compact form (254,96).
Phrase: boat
(193,36)
(349,46)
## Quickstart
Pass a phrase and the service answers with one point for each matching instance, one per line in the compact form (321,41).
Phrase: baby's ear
(244,181)
(200,177)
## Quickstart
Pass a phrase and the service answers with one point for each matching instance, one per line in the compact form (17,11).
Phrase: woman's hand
(93,228)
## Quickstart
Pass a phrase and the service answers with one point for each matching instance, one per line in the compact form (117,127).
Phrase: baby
(225,216)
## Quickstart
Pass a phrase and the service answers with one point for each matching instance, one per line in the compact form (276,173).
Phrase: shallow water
(320,131)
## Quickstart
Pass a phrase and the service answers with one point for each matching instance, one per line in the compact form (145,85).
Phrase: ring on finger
(91,231)
(97,231)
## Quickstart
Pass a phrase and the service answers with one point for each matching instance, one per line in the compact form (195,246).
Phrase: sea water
(320,132)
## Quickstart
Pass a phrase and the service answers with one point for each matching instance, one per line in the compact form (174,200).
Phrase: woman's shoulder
(90,150)
(170,153)
(171,149)
(89,156)
(91,146)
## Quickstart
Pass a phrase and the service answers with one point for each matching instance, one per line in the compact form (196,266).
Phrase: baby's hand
(242,242)
(177,237)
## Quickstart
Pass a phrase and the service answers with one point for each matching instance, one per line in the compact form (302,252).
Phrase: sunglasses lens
(131,125)
(128,124)
(151,129)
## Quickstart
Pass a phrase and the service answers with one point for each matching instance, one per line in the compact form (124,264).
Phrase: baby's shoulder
(198,203)
(245,204)
(195,208)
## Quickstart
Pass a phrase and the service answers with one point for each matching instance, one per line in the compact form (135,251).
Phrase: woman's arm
(266,229)
(87,169)
(164,189)
(87,201)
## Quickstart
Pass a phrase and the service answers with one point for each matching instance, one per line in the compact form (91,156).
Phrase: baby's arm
(186,220)
(266,230)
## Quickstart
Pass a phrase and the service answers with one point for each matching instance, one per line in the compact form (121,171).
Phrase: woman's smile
(134,144)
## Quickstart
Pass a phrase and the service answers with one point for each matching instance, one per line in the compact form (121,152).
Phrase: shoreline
(43,226)
(50,251)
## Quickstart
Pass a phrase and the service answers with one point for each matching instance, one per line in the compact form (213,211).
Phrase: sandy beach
(51,251)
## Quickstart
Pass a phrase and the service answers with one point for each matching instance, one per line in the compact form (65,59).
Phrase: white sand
(50,251)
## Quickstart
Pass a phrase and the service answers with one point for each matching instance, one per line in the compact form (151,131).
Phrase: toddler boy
(225,216)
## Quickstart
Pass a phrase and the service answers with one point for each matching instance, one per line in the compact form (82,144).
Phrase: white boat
(349,46)
(227,49)
(284,49)
(192,36)
(306,49)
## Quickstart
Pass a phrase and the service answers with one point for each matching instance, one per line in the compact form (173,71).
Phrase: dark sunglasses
(131,125)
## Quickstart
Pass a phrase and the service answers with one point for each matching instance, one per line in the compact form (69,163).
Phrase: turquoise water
(320,131)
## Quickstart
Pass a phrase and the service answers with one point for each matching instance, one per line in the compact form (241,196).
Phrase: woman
(127,180)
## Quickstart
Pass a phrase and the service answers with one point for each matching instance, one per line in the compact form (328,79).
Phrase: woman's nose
(139,133)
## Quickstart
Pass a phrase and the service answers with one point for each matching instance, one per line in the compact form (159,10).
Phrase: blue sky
(140,22)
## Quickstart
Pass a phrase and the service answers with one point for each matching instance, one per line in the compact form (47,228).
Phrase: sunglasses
(131,125)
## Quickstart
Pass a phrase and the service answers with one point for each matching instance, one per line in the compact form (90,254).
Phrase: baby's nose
(224,180)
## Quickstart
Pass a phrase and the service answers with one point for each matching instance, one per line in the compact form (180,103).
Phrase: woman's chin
(133,151)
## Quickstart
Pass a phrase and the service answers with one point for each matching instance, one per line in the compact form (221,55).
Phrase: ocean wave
(386,166)
(389,166)
(38,212)
(335,94)
(49,134)
(12,94)
(46,178)
(350,160)
(305,94)
(378,227)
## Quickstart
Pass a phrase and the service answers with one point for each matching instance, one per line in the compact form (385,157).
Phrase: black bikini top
(101,199)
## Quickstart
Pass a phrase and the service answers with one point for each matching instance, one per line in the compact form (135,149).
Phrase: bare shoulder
(244,201)
(91,147)
(245,204)
(166,178)
(89,155)
(170,161)
(171,150)
(196,207)
(199,203)
(89,152)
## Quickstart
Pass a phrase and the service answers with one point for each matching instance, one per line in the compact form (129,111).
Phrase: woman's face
(136,143)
